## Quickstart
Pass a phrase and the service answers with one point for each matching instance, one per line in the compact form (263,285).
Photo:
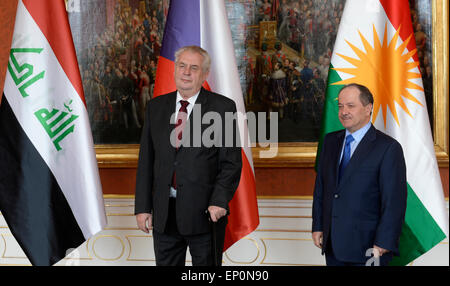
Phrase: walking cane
(214,239)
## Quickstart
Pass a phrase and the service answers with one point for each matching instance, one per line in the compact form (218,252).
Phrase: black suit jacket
(367,207)
(205,175)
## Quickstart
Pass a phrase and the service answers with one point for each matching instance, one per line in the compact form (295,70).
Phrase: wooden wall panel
(118,181)
(285,181)
(269,181)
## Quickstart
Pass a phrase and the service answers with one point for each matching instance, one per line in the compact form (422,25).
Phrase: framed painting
(118,43)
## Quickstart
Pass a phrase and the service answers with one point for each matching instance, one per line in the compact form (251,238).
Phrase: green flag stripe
(330,121)
(420,231)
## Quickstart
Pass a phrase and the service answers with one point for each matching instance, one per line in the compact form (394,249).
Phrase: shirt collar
(191,99)
(359,134)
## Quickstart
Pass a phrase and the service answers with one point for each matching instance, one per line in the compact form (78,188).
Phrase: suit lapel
(170,107)
(202,99)
(364,147)
(169,110)
(337,154)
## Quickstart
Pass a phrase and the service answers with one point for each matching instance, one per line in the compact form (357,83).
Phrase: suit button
(175,163)
(336,196)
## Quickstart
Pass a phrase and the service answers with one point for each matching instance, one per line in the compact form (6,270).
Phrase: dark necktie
(346,156)
(179,126)
(181,120)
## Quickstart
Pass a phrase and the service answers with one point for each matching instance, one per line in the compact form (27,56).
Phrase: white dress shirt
(190,106)
(358,135)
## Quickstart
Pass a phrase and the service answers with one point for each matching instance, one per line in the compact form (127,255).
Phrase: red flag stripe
(164,80)
(399,14)
(244,203)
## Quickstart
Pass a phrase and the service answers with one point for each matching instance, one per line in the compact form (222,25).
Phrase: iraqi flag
(375,47)
(50,192)
(204,23)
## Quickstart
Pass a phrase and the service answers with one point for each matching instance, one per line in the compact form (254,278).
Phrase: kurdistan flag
(375,47)
(50,192)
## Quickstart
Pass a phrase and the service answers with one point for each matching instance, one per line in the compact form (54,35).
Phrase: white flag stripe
(223,77)
(422,168)
(74,167)
(373,15)
(423,179)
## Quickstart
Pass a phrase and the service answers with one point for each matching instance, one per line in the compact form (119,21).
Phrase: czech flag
(204,23)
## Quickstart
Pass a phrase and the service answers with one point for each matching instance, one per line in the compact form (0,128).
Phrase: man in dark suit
(360,191)
(179,178)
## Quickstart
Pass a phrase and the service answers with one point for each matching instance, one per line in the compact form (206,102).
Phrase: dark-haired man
(360,190)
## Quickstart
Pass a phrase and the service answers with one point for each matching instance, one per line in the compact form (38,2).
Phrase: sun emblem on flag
(386,70)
